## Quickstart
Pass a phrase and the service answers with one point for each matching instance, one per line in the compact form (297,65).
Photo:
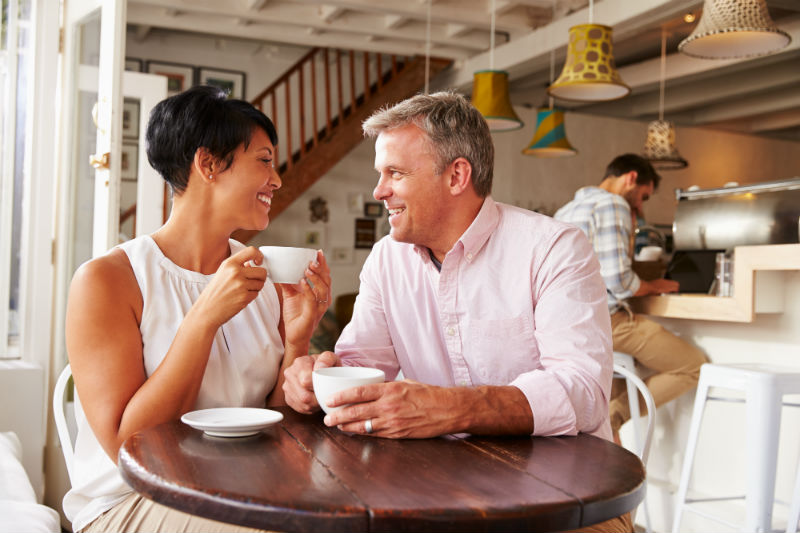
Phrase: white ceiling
(758,96)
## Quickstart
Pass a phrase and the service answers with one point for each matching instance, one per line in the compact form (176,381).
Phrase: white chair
(59,414)
(635,387)
(764,387)
(794,513)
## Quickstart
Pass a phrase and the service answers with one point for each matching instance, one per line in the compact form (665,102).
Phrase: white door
(90,126)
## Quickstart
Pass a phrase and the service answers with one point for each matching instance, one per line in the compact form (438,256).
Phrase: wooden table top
(300,475)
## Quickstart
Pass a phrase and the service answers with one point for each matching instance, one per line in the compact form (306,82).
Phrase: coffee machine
(709,221)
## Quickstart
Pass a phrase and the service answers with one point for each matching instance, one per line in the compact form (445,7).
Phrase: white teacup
(328,381)
(286,264)
(649,253)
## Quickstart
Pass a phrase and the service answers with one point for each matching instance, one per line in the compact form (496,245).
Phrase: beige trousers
(620,524)
(137,513)
(674,362)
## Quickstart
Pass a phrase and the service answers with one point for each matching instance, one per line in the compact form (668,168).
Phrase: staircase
(318,106)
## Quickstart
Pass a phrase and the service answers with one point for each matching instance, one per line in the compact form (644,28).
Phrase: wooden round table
(300,475)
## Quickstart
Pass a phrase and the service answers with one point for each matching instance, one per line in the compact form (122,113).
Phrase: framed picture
(365,232)
(355,203)
(134,64)
(179,77)
(230,81)
(130,161)
(341,256)
(373,209)
(130,118)
(313,239)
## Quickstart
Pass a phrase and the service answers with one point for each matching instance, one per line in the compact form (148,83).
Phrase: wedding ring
(368,426)
(322,301)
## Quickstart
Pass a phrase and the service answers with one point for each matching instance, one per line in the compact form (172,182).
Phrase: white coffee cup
(328,381)
(286,264)
(649,253)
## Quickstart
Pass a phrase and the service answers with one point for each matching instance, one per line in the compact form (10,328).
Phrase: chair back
(60,416)
(644,451)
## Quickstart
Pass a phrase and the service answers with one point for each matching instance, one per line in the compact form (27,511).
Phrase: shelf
(757,284)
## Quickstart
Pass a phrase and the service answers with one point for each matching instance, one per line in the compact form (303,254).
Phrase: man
(496,315)
(605,213)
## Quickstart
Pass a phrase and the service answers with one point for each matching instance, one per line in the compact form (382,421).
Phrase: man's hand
(398,409)
(409,409)
(657,286)
(298,388)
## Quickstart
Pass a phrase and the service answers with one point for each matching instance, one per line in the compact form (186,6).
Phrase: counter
(757,288)
(760,323)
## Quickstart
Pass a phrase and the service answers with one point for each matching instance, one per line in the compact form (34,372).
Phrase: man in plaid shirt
(606,213)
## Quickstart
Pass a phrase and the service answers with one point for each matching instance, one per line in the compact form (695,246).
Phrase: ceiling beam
(753,105)
(295,35)
(277,23)
(440,13)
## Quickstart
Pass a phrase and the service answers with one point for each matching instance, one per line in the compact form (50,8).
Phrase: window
(15,69)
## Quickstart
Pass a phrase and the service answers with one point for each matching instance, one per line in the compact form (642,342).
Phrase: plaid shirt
(606,219)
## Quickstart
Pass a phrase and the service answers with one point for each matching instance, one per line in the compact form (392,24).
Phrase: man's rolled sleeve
(569,393)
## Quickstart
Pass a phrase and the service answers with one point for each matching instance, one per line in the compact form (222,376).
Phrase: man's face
(638,195)
(409,187)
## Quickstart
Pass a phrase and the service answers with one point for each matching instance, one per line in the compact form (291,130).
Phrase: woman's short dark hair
(622,164)
(204,117)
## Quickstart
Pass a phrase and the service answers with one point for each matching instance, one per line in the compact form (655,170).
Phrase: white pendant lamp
(659,147)
(734,28)
(589,74)
(490,94)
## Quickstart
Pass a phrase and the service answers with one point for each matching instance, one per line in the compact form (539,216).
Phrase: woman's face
(247,186)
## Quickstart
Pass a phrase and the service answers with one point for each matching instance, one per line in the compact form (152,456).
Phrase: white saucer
(232,421)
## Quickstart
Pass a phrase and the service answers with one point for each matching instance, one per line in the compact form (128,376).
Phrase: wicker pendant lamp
(734,28)
(659,147)
(589,74)
(490,94)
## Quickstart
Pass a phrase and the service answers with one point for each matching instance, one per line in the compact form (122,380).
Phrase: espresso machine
(709,221)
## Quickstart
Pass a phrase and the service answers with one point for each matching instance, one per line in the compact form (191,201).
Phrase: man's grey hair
(454,129)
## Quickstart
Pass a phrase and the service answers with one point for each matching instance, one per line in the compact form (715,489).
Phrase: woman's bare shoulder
(108,276)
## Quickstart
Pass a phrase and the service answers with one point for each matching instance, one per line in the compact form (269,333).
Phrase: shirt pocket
(499,350)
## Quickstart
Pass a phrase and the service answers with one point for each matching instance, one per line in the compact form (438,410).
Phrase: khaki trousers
(674,362)
(137,513)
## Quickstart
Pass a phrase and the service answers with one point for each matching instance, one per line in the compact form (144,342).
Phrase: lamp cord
(591,11)
(428,47)
(491,41)
(663,74)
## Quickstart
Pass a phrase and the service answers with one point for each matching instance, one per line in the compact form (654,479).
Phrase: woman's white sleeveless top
(241,370)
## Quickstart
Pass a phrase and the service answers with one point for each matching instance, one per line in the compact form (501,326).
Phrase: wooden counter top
(756,288)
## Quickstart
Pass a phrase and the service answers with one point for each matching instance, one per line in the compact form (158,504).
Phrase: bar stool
(627,362)
(764,387)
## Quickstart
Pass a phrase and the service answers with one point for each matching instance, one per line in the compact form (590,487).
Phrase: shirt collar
(477,233)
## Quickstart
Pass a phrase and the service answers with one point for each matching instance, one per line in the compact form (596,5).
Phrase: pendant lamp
(490,94)
(659,147)
(589,74)
(734,28)
(549,137)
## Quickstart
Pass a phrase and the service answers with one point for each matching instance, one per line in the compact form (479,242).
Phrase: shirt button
(462,383)
(451,331)
(469,257)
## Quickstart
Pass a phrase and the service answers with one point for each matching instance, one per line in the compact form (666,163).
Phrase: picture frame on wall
(130,118)
(365,232)
(373,209)
(134,64)
(130,161)
(230,81)
(179,76)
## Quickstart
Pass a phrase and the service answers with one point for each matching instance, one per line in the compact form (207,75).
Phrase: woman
(183,319)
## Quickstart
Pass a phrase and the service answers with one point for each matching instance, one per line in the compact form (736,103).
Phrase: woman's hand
(234,286)
(305,303)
